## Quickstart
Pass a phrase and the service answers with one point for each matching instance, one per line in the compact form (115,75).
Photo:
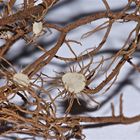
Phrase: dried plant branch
(37,115)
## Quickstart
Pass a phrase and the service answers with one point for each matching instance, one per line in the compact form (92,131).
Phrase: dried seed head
(37,27)
(21,79)
(74,82)
(6,34)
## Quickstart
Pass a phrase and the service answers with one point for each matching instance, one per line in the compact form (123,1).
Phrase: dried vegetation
(38,92)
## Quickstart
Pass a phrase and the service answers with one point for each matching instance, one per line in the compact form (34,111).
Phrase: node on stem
(74,82)
(21,79)
(6,34)
(37,28)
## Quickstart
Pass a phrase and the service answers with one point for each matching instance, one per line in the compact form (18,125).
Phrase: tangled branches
(36,113)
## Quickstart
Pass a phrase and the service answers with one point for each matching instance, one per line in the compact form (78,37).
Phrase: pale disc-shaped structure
(6,34)
(74,82)
(37,27)
(21,79)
